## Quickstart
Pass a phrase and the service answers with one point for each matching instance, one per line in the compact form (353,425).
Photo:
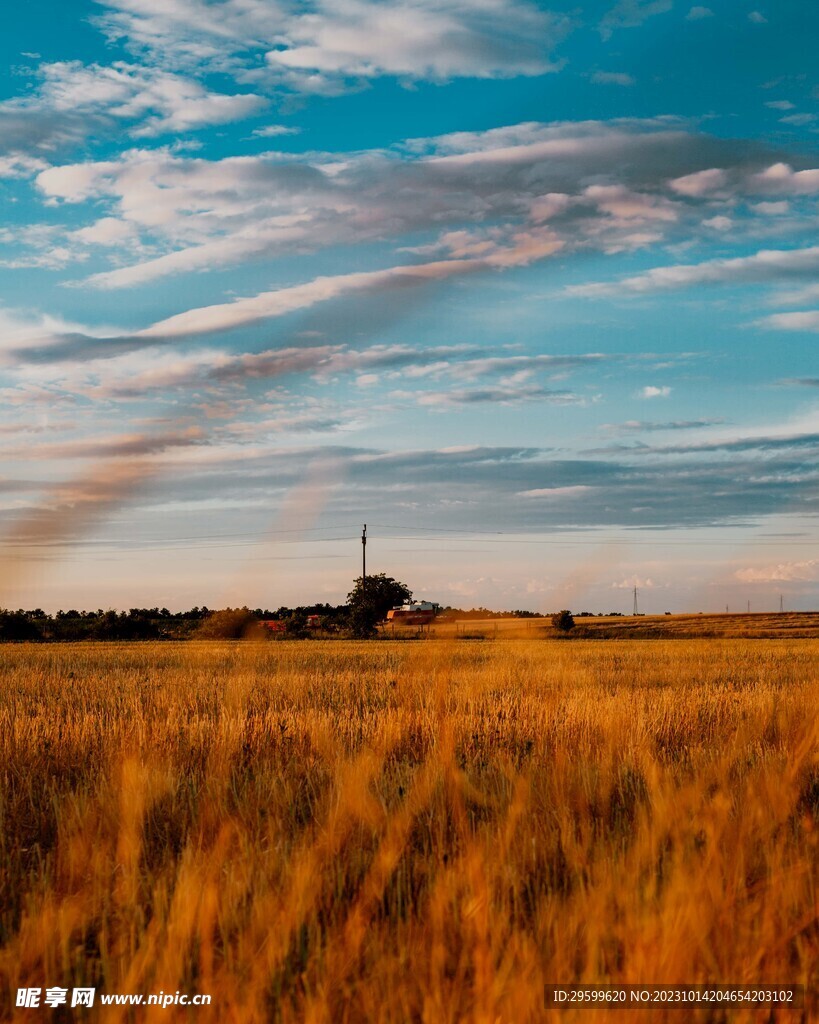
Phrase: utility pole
(635,601)
(364,554)
(781,603)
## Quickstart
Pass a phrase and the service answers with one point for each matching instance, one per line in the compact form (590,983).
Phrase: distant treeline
(487,613)
(162,624)
(225,623)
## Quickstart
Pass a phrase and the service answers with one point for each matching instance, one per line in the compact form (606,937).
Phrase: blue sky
(531,289)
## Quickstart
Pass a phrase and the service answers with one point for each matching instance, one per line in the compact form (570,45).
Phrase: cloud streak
(268,305)
(766,266)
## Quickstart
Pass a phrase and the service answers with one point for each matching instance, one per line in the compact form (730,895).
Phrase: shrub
(563,621)
(229,624)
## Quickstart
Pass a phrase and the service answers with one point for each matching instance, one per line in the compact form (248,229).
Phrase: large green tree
(370,600)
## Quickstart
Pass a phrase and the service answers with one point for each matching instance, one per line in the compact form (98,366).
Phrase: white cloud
(625,204)
(784,572)
(807,320)
(701,183)
(781,179)
(631,14)
(152,101)
(800,120)
(612,78)
(757,18)
(361,39)
(698,13)
(776,208)
(106,231)
(20,166)
(641,582)
(557,493)
(650,391)
(718,223)
(272,131)
(159,101)
(322,47)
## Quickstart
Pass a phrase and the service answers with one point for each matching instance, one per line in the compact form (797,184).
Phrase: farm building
(414,613)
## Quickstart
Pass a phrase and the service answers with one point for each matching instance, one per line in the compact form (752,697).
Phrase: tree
(295,624)
(563,621)
(370,600)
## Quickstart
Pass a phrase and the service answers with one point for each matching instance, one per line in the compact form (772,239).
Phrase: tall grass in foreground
(407,832)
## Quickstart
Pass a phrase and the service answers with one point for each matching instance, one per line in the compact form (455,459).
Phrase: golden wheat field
(393,831)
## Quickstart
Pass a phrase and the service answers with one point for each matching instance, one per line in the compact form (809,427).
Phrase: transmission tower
(635,602)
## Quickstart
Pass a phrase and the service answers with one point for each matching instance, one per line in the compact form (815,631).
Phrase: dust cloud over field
(388,831)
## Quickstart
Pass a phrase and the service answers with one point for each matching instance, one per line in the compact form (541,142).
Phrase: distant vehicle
(415,613)
(274,625)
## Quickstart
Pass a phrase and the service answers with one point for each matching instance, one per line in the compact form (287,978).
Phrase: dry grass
(407,832)
(760,626)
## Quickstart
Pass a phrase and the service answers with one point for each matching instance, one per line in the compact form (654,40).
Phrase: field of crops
(395,831)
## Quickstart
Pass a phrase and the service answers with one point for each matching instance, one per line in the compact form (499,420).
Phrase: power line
(450,534)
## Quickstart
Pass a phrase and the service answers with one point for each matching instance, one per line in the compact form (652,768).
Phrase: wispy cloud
(612,78)
(743,443)
(698,13)
(692,490)
(631,14)
(122,446)
(503,394)
(644,426)
(807,320)
(274,131)
(768,266)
